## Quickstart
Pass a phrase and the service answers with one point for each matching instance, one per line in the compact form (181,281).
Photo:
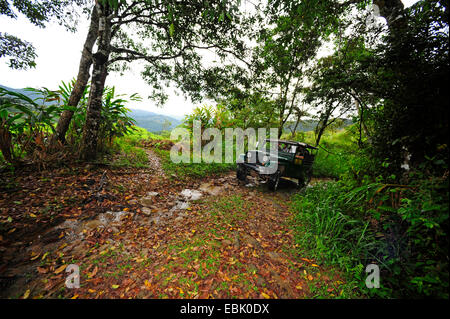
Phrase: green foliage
(126,150)
(415,67)
(171,42)
(222,116)
(339,156)
(324,227)
(403,229)
(26,122)
(127,155)
(185,170)
(394,82)
(21,53)
(76,125)
(137,135)
(115,121)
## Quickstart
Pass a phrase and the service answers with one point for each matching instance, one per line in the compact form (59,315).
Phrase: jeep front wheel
(241,173)
(274,181)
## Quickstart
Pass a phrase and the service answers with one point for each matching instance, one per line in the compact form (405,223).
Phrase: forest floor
(137,233)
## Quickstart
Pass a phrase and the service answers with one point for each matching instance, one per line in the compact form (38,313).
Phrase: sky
(58,54)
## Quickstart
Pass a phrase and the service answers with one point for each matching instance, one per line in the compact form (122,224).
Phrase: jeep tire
(241,173)
(273,181)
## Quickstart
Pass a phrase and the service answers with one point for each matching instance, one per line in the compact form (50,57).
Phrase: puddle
(191,194)
(74,228)
(211,189)
(109,217)
(180,205)
(151,194)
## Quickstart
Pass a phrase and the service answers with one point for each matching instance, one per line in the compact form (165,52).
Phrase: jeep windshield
(281,146)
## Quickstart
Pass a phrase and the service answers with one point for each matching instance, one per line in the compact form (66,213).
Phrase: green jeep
(289,159)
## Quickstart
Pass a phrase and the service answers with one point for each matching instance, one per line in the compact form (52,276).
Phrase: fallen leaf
(42,270)
(93,273)
(26,294)
(265,295)
(115,286)
(36,255)
(60,269)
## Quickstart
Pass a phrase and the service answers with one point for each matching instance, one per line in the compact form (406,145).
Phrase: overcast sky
(59,52)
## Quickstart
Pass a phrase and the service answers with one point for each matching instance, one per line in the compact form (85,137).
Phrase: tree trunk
(99,73)
(280,130)
(82,78)
(5,143)
(299,116)
(323,125)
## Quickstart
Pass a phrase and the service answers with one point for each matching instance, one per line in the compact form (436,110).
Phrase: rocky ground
(141,234)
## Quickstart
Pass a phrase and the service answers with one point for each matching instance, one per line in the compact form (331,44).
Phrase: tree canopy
(21,53)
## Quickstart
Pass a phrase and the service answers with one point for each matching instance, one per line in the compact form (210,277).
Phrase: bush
(324,227)
(402,228)
(196,170)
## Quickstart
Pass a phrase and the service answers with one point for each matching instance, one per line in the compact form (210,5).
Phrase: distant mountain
(153,122)
(32,95)
(178,117)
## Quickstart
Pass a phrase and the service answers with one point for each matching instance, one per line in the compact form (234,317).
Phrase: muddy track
(156,213)
(154,163)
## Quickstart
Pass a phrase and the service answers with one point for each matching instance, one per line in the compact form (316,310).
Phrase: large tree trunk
(99,73)
(82,78)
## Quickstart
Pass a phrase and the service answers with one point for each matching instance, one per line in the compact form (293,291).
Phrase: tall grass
(401,228)
(188,170)
(330,226)
(126,151)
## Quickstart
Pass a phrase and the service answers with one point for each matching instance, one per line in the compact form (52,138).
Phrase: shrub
(402,228)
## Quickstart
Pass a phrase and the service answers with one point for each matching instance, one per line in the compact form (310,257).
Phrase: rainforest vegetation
(366,79)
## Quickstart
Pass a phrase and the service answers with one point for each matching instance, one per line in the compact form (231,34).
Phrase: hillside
(32,95)
(153,122)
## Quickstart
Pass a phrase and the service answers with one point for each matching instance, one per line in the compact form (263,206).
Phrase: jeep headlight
(249,155)
(265,160)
